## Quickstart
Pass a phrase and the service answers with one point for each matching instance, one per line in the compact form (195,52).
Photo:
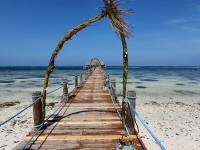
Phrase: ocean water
(148,81)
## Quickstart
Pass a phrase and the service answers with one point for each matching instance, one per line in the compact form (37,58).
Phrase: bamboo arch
(120,27)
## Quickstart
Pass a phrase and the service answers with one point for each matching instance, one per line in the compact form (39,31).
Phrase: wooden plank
(76,132)
(88,122)
(83,126)
(98,107)
(85,119)
(85,137)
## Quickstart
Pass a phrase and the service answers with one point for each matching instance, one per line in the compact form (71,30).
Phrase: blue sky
(165,33)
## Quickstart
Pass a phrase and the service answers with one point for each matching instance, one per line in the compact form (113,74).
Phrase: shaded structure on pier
(95,62)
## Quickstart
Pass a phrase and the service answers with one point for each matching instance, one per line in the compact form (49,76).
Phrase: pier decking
(87,120)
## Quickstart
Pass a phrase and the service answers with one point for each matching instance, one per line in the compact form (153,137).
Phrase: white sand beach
(171,111)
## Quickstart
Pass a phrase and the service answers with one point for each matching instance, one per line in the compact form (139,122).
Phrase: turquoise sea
(144,80)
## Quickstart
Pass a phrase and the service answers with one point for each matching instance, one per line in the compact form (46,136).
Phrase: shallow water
(143,80)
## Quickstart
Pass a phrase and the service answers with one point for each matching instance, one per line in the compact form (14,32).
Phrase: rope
(37,126)
(119,114)
(57,108)
(127,130)
(131,97)
(40,127)
(111,85)
(66,94)
(145,125)
(36,96)
(116,90)
(115,107)
(54,90)
(22,110)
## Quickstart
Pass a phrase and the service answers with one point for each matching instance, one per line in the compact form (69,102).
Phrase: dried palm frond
(118,24)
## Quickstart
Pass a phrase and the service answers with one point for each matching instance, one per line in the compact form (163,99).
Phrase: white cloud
(187,24)
(181,20)
(191,29)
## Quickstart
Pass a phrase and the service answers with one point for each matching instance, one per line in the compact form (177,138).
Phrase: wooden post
(65,89)
(37,108)
(114,84)
(85,74)
(76,81)
(108,82)
(104,76)
(81,77)
(130,115)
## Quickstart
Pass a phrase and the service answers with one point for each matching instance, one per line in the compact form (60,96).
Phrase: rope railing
(118,113)
(61,105)
(145,125)
(54,90)
(42,124)
(20,111)
(39,98)
(136,113)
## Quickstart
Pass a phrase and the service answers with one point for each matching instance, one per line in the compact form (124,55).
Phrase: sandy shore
(176,124)
(172,115)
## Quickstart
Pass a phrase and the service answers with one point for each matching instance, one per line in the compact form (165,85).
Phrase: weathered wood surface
(87,120)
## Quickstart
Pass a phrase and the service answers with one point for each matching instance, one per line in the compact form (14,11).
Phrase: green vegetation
(51,104)
(8,104)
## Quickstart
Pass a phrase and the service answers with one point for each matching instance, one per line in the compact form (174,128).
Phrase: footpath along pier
(87,119)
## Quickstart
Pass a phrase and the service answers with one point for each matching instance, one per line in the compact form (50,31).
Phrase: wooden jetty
(87,120)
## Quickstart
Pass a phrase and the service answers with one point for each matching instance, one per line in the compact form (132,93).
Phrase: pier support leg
(37,108)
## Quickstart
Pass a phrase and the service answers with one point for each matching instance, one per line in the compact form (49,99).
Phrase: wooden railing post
(85,73)
(76,81)
(65,89)
(130,115)
(108,82)
(37,108)
(81,77)
(113,90)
